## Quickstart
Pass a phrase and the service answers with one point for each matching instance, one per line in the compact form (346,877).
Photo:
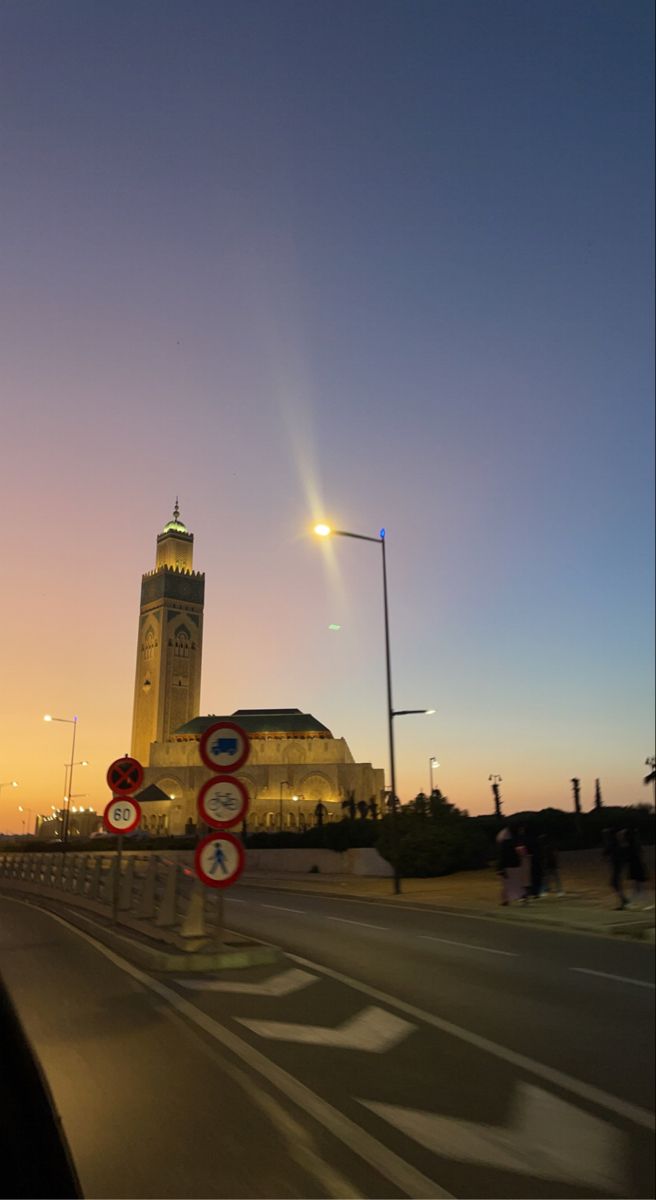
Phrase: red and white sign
(125,776)
(223,802)
(224,746)
(122,814)
(219,860)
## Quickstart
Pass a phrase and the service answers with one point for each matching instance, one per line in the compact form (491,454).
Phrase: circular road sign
(125,776)
(223,802)
(122,814)
(224,746)
(219,860)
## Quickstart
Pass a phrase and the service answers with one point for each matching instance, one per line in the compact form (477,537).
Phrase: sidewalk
(588,904)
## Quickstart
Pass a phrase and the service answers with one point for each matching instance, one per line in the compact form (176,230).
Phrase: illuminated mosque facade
(295,763)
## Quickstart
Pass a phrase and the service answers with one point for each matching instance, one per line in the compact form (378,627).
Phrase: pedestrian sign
(224,746)
(125,776)
(223,801)
(219,860)
(122,814)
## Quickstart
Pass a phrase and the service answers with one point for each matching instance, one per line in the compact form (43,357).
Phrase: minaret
(169,648)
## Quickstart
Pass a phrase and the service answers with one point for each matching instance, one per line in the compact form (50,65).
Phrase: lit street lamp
(8,783)
(325,531)
(432,766)
(66,721)
(29,816)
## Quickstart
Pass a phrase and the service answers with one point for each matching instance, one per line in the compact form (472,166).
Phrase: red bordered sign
(125,776)
(224,746)
(219,860)
(223,801)
(122,814)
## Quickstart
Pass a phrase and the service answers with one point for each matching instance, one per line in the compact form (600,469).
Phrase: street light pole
(432,766)
(325,531)
(66,721)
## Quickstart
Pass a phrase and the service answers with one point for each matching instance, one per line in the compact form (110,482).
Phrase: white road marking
(282,984)
(373,1029)
(346,921)
(467,945)
(619,978)
(234,900)
(382,1160)
(578,1087)
(281,908)
(546,1138)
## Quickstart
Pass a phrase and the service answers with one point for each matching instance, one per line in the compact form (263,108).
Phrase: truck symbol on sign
(224,745)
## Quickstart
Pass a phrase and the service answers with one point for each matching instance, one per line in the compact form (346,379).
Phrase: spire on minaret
(175,525)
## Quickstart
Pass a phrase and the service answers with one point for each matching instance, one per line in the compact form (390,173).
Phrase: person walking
(614,851)
(551,867)
(523,847)
(636,869)
(536,848)
(509,867)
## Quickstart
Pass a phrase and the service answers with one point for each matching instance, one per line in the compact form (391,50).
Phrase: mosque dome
(175,525)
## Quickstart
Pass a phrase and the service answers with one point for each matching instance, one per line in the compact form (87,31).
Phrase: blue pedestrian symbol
(219,859)
(224,745)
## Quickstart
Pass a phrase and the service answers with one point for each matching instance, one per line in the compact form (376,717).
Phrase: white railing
(155,894)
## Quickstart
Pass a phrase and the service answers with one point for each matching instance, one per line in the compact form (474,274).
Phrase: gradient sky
(388,263)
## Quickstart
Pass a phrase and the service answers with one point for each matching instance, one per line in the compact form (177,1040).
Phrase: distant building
(295,762)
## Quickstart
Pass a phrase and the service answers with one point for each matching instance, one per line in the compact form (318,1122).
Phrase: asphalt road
(394,1052)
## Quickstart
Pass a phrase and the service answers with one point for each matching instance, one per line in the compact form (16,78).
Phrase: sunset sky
(383,263)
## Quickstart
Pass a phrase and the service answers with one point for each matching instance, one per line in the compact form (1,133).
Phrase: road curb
(152,958)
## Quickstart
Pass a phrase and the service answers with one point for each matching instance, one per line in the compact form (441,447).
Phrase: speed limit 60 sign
(122,814)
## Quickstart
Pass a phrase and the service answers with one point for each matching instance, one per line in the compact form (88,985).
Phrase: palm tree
(651,777)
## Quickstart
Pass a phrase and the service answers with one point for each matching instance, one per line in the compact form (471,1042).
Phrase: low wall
(363,861)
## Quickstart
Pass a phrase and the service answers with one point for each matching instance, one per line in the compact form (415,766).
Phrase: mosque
(295,762)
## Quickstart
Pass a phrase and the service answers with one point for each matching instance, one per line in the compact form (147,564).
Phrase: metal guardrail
(151,893)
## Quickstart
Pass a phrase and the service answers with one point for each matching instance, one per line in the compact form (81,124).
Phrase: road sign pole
(117,880)
(218,932)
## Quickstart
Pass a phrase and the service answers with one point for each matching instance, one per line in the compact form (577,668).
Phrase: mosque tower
(169,647)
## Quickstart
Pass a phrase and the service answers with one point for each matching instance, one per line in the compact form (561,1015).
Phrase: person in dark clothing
(636,869)
(536,850)
(614,851)
(509,867)
(550,867)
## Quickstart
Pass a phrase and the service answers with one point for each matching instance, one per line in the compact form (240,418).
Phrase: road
(394,1051)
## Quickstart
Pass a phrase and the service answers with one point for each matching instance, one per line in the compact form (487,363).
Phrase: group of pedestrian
(529,870)
(528,866)
(624,853)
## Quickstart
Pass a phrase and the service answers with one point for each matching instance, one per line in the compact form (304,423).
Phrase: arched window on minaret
(149,644)
(182,642)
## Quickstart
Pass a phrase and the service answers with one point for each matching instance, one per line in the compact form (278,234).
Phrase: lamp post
(432,766)
(30,814)
(283,784)
(325,531)
(66,721)
(8,783)
(495,780)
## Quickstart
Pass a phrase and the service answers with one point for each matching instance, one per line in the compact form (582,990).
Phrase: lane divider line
(429,937)
(618,978)
(363,924)
(281,908)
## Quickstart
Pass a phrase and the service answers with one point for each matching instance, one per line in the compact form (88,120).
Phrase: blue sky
(391,263)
